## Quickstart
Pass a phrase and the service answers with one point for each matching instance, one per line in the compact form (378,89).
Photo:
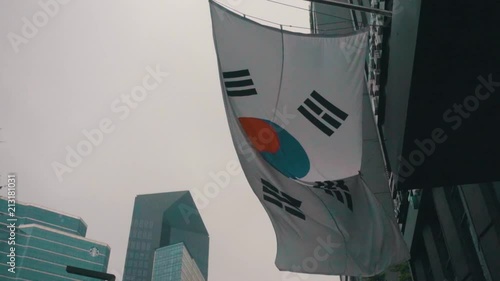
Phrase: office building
(327,19)
(46,241)
(174,263)
(433,82)
(161,220)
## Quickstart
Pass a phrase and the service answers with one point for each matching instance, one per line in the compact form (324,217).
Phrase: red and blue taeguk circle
(277,146)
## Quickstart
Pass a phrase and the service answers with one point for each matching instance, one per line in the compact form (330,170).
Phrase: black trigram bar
(281,199)
(238,83)
(337,189)
(313,112)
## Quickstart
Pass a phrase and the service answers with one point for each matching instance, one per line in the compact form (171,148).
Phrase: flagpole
(353,7)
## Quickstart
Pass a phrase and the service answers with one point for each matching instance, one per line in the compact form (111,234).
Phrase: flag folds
(294,107)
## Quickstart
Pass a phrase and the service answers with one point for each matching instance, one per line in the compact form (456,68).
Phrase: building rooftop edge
(48,209)
(64,233)
(160,193)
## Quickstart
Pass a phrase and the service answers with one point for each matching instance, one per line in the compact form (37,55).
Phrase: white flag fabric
(311,85)
(294,107)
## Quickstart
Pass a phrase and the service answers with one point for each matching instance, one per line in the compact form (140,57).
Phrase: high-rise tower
(160,220)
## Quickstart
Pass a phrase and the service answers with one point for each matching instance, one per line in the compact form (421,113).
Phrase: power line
(268,21)
(293,26)
(300,8)
(353,7)
(325,14)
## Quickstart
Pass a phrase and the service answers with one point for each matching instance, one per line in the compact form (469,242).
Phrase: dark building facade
(160,220)
(454,232)
(433,78)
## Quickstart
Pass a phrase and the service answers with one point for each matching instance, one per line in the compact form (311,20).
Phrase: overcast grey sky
(68,75)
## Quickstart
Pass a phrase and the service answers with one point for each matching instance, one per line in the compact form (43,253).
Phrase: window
(440,242)
(496,189)
(463,226)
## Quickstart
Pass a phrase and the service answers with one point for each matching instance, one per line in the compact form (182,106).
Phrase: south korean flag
(293,104)
(298,97)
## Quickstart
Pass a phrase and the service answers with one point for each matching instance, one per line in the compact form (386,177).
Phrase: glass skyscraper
(174,263)
(160,220)
(46,242)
